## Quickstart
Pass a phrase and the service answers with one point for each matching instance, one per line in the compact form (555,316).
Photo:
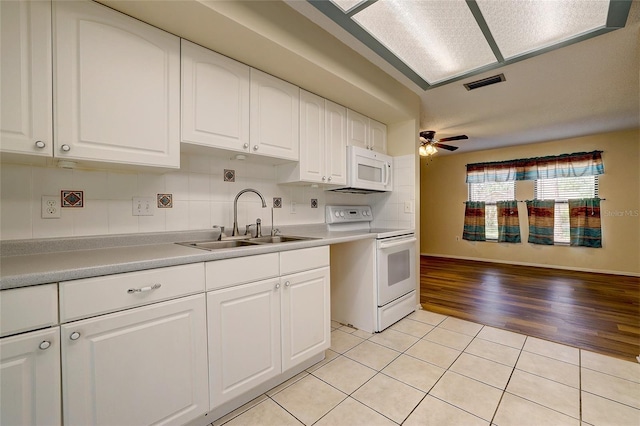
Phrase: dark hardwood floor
(596,312)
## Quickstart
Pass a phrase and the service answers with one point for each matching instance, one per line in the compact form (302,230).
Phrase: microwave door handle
(385,245)
(387,174)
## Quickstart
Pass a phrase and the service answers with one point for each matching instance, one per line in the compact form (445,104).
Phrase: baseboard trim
(538,265)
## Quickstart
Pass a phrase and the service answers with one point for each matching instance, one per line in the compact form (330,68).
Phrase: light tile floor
(429,369)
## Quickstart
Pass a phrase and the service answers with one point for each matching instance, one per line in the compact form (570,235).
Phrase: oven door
(396,259)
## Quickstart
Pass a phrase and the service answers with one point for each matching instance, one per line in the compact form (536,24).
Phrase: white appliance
(373,281)
(367,171)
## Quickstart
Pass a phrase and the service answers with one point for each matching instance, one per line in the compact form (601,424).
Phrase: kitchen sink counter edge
(70,262)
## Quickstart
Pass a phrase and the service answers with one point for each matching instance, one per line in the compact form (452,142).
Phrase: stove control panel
(348,214)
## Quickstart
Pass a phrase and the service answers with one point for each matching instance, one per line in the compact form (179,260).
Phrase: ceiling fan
(429,143)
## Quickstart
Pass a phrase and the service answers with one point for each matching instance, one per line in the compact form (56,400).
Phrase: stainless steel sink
(270,239)
(228,244)
(216,245)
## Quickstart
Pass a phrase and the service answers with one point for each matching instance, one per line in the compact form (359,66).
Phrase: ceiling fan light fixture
(426,149)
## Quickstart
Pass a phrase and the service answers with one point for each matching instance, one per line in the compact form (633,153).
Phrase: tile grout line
(513,369)
(580,382)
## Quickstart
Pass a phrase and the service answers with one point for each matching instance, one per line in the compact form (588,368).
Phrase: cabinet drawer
(28,308)
(92,296)
(240,270)
(304,259)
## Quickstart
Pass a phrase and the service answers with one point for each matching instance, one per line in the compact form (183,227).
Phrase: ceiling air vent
(485,82)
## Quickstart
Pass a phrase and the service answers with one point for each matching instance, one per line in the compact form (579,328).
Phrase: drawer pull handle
(144,289)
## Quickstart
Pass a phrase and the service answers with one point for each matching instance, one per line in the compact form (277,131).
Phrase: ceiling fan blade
(447,147)
(454,138)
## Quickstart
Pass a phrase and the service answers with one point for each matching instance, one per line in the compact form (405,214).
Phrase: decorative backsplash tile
(71,198)
(165,201)
(186,199)
(229,175)
(314,203)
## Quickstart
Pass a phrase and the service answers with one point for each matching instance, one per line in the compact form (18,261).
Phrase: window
(561,190)
(490,192)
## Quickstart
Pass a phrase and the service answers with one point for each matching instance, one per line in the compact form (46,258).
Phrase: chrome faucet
(235,208)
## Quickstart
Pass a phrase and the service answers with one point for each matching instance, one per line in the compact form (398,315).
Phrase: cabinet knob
(255,147)
(324,178)
(277,286)
(45,344)
(74,336)
(329,178)
(65,148)
(40,144)
(287,283)
(245,146)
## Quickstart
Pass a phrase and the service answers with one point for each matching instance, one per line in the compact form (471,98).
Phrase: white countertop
(69,264)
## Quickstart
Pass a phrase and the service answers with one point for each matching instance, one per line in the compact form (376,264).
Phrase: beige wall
(443,191)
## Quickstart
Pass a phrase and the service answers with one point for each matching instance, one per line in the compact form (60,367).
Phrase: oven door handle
(390,244)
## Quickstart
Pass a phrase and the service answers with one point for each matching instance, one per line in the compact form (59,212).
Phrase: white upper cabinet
(25,88)
(117,87)
(274,119)
(215,99)
(335,143)
(366,133)
(377,136)
(312,138)
(323,141)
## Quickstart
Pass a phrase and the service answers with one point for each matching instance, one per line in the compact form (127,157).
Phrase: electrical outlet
(50,207)
(143,206)
(408,207)
(293,207)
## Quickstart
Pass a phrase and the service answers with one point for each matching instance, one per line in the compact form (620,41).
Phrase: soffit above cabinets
(435,42)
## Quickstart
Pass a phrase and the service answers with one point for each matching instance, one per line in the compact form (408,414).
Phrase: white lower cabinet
(260,329)
(306,321)
(30,378)
(244,338)
(146,365)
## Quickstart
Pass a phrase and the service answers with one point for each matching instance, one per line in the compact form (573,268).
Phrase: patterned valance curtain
(541,219)
(584,222)
(508,222)
(474,229)
(556,166)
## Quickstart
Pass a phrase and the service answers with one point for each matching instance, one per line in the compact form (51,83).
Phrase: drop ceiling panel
(523,26)
(437,39)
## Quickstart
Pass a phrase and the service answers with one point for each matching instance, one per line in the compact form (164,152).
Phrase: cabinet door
(215,99)
(377,136)
(117,86)
(25,88)
(141,366)
(274,116)
(336,143)
(312,138)
(306,322)
(30,378)
(244,338)
(358,129)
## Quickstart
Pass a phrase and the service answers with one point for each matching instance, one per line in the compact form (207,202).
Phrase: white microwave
(367,171)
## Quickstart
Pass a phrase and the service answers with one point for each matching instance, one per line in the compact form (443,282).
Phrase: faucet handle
(248,230)
(221,228)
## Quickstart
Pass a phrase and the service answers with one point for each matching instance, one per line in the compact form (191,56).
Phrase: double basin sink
(227,244)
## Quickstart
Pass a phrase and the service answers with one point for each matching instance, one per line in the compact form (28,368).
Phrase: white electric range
(373,281)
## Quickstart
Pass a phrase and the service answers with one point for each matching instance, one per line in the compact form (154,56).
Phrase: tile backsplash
(201,196)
